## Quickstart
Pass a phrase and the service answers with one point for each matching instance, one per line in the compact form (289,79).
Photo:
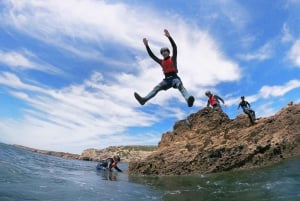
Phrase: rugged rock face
(215,143)
(127,153)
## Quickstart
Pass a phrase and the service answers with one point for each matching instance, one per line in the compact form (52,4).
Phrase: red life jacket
(168,66)
(212,100)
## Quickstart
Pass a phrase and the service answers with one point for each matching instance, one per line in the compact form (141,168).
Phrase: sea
(26,175)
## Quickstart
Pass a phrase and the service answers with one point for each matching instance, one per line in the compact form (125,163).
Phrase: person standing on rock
(169,68)
(109,163)
(245,105)
(214,100)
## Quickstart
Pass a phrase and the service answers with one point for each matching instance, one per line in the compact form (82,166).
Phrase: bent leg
(249,115)
(253,114)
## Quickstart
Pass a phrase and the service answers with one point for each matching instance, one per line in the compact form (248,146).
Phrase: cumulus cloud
(268,93)
(275,91)
(73,114)
(97,109)
(265,110)
(69,23)
(58,23)
(100,109)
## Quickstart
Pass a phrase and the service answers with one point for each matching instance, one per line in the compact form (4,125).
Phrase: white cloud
(294,53)
(228,13)
(24,60)
(270,93)
(69,23)
(287,36)
(102,106)
(15,59)
(13,81)
(263,53)
(265,110)
(72,115)
(234,12)
(274,91)
(96,22)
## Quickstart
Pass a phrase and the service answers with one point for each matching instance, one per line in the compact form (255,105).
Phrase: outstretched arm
(221,99)
(238,109)
(248,104)
(150,53)
(167,33)
(109,162)
(207,105)
(239,106)
(118,169)
(174,47)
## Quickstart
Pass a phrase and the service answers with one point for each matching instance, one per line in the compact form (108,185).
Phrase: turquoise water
(30,176)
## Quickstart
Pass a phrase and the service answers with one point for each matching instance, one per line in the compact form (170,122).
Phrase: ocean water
(25,175)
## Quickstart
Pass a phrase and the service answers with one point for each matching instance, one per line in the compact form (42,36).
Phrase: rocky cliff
(214,143)
(127,153)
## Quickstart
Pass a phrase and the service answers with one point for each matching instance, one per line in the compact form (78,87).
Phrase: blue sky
(68,69)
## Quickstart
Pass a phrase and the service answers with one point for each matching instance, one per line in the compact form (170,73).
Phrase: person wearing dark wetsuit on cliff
(214,100)
(169,67)
(109,163)
(245,105)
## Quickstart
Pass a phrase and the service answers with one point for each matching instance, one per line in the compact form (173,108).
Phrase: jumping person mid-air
(169,68)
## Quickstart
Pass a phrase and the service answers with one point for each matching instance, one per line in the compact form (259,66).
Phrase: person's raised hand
(167,33)
(145,41)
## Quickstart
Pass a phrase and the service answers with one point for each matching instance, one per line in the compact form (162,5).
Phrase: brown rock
(214,143)
(127,153)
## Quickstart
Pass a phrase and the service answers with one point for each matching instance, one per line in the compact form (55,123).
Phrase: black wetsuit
(159,61)
(108,164)
(245,105)
(169,66)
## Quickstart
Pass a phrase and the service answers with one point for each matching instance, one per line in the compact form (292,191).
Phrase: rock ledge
(215,143)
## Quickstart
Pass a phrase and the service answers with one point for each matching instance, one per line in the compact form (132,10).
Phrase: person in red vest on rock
(214,100)
(169,68)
